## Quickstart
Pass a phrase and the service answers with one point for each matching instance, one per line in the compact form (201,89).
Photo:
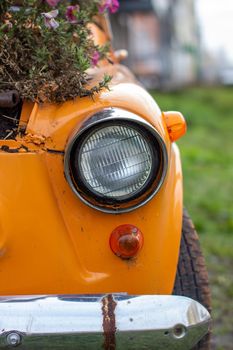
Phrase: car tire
(192,277)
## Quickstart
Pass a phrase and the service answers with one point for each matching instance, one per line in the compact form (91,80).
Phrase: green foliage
(206,155)
(47,64)
(207,160)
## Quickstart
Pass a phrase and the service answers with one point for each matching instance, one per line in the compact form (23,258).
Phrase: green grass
(207,156)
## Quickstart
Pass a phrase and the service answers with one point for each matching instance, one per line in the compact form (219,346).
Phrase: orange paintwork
(51,242)
(25,114)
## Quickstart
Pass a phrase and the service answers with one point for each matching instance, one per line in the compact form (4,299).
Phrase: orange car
(95,248)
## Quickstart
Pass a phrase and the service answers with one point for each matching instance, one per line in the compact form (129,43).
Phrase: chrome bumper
(101,322)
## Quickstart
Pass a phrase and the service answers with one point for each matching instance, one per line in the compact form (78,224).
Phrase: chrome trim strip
(96,322)
(109,114)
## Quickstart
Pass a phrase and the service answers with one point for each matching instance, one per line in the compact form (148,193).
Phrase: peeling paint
(20,149)
(24,149)
(36,139)
(7,149)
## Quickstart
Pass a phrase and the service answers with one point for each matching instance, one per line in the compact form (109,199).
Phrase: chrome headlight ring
(116,162)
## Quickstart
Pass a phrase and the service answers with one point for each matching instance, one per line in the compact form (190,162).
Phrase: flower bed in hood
(46,48)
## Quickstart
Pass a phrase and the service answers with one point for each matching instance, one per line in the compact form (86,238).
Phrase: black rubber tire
(192,277)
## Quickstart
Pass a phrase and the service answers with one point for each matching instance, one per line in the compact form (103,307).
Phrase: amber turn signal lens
(126,241)
(176,125)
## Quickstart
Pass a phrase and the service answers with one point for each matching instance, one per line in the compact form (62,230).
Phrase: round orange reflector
(126,241)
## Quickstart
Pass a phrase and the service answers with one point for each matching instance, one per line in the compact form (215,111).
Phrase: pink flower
(111,5)
(52,3)
(95,58)
(7,26)
(71,13)
(49,19)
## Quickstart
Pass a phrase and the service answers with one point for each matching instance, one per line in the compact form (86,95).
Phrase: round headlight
(115,163)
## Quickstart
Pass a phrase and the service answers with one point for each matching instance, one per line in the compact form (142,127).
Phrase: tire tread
(192,277)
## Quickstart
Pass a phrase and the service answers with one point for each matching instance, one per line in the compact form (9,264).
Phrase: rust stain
(109,322)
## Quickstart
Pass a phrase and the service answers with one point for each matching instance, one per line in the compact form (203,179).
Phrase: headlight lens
(112,163)
(115,161)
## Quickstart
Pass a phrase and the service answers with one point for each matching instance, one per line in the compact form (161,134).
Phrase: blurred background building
(162,40)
